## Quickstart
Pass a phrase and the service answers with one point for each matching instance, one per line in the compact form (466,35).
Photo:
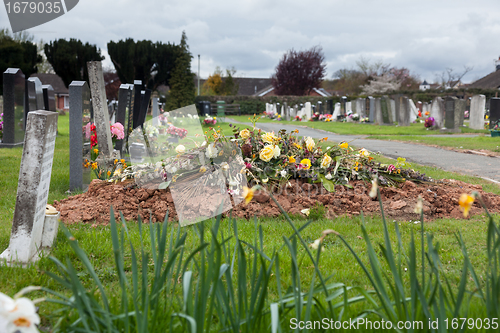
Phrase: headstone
(308,111)
(392,103)
(273,112)
(123,111)
(348,106)
(379,119)
(425,108)
(282,113)
(49,98)
(413,111)
(36,85)
(404,111)
(287,112)
(494,111)
(155,110)
(476,115)
(79,135)
(437,112)
(145,100)
(33,188)
(329,107)
(360,107)
(460,105)
(452,110)
(13,108)
(372,109)
(336,111)
(385,111)
(101,115)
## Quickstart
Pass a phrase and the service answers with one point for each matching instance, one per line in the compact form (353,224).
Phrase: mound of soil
(439,200)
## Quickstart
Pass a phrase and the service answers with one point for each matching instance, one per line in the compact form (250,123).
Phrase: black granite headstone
(137,104)
(449,113)
(494,111)
(124,97)
(49,98)
(13,108)
(145,100)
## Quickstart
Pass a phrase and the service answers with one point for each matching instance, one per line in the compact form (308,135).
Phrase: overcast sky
(426,36)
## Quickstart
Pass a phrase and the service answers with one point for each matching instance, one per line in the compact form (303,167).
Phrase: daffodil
(326,161)
(364,153)
(203,169)
(96,151)
(344,145)
(291,159)
(306,163)
(465,203)
(247,194)
(310,143)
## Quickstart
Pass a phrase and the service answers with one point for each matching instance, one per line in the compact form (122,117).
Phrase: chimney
(497,64)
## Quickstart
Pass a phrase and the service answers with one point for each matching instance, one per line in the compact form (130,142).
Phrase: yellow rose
(267,153)
(269,138)
(310,143)
(326,161)
(245,134)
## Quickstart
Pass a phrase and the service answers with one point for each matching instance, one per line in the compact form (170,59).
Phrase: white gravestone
(33,189)
(336,111)
(307,111)
(348,106)
(437,112)
(413,111)
(477,106)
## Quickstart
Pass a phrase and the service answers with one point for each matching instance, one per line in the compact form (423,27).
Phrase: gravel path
(475,165)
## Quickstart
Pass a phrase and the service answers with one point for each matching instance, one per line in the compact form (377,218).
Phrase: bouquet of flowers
(325,117)
(355,117)
(210,121)
(181,133)
(497,126)
(297,118)
(429,122)
(315,116)
(365,120)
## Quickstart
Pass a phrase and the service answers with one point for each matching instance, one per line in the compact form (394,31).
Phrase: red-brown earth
(439,200)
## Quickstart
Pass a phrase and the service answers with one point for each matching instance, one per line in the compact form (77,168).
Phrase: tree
(449,79)
(182,81)
(17,51)
(298,73)
(219,85)
(69,58)
(152,63)
(112,83)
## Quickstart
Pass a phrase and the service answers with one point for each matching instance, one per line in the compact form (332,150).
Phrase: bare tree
(449,79)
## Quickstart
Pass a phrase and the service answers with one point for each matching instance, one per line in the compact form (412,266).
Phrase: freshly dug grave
(439,200)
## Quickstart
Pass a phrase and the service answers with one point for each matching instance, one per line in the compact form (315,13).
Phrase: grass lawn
(359,128)
(336,260)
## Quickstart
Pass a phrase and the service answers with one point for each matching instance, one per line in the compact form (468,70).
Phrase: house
(424,86)
(490,81)
(60,90)
(269,91)
(247,86)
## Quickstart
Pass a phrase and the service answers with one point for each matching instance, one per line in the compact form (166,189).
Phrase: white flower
(211,151)
(373,191)
(265,180)
(306,211)
(329,176)
(180,149)
(276,151)
(315,245)
(283,173)
(20,314)
(224,166)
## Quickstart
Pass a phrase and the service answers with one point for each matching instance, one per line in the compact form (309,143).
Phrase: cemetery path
(475,165)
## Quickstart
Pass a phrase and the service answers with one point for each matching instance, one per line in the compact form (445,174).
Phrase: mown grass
(336,260)
(480,142)
(359,128)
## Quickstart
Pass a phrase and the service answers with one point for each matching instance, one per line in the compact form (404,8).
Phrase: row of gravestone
(20,96)
(33,228)
(133,103)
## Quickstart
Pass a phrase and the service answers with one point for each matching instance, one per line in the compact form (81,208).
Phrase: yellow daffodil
(96,151)
(116,161)
(245,134)
(94,165)
(247,194)
(344,145)
(310,144)
(306,163)
(203,169)
(122,161)
(109,173)
(364,153)
(326,161)
(465,203)
(267,153)
(117,172)
(357,166)
(297,146)
(291,159)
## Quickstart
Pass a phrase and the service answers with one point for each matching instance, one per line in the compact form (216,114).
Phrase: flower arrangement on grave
(1,126)
(297,118)
(100,169)
(274,158)
(355,117)
(365,120)
(315,116)
(325,117)
(466,114)
(177,132)
(210,121)
(429,122)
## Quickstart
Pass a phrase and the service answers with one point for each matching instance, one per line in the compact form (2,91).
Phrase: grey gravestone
(460,105)
(145,100)
(49,98)
(450,121)
(476,115)
(13,108)
(79,143)
(392,103)
(1,104)
(101,115)
(413,113)
(37,84)
(33,188)
(360,107)
(137,104)
(494,111)
(397,100)
(287,112)
(371,115)
(404,111)
(124,97)
(385,111)
(378,112)
(437,112)
(329,107)
(155,110)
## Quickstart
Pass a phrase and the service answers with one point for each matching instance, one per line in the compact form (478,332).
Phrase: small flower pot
(495,133)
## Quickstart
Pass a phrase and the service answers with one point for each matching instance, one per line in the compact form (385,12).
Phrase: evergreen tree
(182,80)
